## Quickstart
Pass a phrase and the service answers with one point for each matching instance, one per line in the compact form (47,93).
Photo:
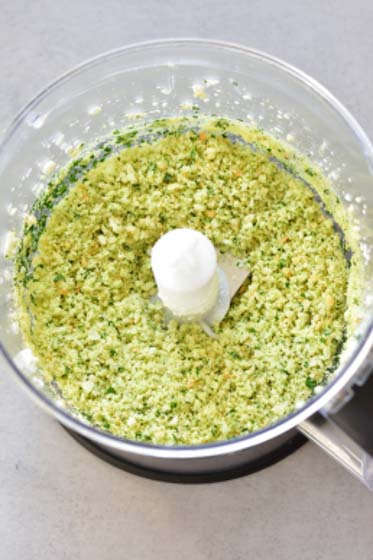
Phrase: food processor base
(214,476)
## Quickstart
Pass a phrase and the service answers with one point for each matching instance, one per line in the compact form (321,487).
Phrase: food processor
(174,78)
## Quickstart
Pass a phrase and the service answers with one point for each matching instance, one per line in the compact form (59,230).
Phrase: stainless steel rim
(348,371)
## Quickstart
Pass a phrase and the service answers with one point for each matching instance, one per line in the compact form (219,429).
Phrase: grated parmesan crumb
(91,290)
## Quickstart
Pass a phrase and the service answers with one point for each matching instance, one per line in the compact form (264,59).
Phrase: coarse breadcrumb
(97,333)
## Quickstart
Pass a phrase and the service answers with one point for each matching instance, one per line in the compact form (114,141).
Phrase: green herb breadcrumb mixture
(85,286)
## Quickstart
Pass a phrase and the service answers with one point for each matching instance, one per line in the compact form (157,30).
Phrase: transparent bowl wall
(150,81)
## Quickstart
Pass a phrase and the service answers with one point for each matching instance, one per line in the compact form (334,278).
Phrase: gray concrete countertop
(57,501)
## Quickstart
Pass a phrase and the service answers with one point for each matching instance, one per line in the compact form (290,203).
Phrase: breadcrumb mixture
(85,287)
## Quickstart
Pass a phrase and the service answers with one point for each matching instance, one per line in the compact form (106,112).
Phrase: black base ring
(193,478)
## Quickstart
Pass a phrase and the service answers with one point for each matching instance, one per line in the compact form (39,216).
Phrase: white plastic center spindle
(184,264)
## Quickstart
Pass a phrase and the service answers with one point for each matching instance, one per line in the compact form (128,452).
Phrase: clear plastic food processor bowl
(162,79)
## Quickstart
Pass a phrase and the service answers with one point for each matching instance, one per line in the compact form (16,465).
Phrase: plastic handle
(339,445)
